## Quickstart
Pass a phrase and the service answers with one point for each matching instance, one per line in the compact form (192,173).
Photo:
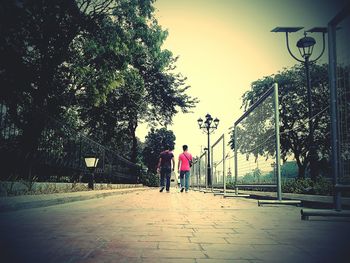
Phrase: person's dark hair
(185,147)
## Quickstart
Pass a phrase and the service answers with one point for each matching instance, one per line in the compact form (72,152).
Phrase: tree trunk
(301,167)
(132,128)
(29,143)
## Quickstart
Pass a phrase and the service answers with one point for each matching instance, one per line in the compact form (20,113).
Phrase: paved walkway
(148,226)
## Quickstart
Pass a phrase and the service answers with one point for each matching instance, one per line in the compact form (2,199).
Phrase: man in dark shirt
(166,164)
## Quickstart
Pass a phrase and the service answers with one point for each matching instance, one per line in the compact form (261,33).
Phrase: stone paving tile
(164,238)
(117,244)
(210,260)
(209,240)
(168,253)
(168,260)
(176,233)
(251,240)
(108,258)
(217,230)
(226,247)
(211,235)
(180,246)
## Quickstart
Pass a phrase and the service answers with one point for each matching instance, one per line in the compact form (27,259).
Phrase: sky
(225,45)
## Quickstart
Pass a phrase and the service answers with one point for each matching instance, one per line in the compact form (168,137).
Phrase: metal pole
(206,175)
(209,168)
(199,172)
(334,112)
(278,154)
(91,180)
(236,161)
(224,168)
(212,171)
(195,169)
(313,172)
(194,173)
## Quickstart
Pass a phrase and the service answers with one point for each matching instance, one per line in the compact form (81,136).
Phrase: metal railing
(262,142)
(339,72)
(60,155)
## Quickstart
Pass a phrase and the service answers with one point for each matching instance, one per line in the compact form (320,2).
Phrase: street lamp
(209,126)
(305,46)
(91,163)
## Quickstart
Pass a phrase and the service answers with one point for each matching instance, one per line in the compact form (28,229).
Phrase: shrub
(321,186)
(149,179)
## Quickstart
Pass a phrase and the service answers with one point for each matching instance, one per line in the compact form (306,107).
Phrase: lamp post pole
(305,46)
(312,152)
(209,167)
(91,163)
(208,128)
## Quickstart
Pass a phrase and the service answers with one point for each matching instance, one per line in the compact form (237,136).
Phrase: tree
(146,90)
(156,142)
(100,59)
(35,41)
(294,113)
(162,90)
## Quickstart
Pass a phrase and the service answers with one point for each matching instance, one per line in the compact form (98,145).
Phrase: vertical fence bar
(278,153)
(220,140)
(199,173)
(206,173)
(211,171)
(236,160)
(203,155)
(224,160)
(334,111)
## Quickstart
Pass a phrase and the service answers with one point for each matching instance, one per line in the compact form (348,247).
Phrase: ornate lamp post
(91,163)
(209,126)
(305,46)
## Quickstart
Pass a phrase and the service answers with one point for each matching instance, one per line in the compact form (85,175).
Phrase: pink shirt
(185,166)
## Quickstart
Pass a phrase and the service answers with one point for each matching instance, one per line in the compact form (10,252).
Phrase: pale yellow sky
(224,45)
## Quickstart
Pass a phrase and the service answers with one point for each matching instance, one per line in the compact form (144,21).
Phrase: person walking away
(166,164)
(184,167)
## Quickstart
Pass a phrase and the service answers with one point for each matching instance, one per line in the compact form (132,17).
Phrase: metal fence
(339,69)
(199,172)
(257,145)
(60,155)
(218,160)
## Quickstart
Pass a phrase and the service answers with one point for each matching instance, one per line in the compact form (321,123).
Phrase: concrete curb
(35,201)
(303,197)
(306,198)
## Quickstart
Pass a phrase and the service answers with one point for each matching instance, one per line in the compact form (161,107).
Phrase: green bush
(149,179)
(320,186)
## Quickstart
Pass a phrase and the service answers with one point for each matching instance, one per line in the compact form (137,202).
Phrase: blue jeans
(165,174)
(185,179)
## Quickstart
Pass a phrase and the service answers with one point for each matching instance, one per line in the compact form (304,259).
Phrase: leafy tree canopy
(100,63)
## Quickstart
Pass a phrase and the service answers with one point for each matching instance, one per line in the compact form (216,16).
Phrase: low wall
(24,187)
